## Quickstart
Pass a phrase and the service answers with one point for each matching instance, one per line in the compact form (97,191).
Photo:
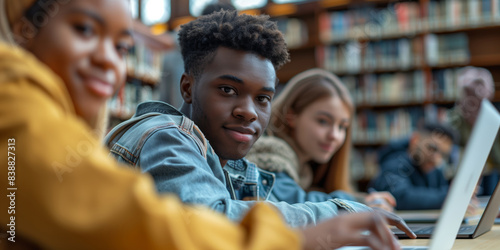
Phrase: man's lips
(241,134)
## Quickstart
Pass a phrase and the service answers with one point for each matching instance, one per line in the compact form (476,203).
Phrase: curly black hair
(199,39)
(440,130)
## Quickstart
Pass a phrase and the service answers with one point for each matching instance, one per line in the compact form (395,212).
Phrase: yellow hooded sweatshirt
(59,189)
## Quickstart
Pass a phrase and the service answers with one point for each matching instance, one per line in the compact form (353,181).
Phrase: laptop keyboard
(463,230)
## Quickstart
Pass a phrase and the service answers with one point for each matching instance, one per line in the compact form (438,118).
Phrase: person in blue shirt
(409,168)
(229,81)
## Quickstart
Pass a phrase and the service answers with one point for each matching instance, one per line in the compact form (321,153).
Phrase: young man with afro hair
(229,81)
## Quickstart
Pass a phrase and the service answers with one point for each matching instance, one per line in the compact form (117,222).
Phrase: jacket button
(264,181)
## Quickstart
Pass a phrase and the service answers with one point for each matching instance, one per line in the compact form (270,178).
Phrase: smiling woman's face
(85,43)
(320,129)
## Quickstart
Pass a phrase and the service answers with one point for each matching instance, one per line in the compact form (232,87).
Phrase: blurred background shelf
(399,58)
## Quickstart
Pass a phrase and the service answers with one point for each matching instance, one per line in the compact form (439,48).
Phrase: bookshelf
(143,73)
(399,59)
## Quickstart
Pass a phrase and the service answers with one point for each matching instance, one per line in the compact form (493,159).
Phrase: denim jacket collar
(157,107)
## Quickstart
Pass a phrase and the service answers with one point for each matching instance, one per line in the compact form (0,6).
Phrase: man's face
(231,101)
(431,150)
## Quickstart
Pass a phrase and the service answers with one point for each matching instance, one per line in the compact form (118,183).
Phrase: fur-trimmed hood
(275,155)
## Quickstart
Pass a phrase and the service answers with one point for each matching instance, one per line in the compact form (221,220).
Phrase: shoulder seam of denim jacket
(188,126)
(122,128)
(133,157)
(202,138)
(145,136)
(117,149)
(148,109)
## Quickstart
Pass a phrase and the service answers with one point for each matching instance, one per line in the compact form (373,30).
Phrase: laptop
(461,189)
(484,225)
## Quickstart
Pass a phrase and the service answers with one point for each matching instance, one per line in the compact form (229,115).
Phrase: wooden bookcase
(380,119)
(471,25)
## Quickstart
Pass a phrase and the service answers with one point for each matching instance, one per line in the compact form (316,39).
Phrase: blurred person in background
(410,169)
(475,84)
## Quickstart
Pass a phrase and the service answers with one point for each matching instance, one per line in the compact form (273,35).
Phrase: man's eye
(263,99)
(228,90)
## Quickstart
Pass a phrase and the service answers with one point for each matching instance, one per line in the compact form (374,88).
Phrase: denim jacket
(163,142)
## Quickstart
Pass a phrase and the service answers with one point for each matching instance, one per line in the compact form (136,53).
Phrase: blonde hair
(301,91)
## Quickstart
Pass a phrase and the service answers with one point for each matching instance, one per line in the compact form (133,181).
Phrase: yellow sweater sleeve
(68,194)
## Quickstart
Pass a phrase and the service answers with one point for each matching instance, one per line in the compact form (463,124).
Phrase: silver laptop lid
(471,166)
(463,185)
(489,214)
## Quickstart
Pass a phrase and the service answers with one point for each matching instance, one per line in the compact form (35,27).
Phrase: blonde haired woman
(310,141)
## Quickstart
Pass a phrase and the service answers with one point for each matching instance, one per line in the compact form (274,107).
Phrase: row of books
(407,18)
(444,84)
(370,127)
(294,30)
(398,54)
(124,103)
(355,57)
(396,88)
(447,49)
(458,13)
(403,87)
(363,164)
(144,63)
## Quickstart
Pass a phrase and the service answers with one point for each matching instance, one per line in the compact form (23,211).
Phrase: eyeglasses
(433,148)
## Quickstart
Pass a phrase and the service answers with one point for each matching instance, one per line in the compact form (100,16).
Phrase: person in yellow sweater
(59,63)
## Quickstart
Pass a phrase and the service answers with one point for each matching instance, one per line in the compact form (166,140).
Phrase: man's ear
(414,140)
(415,136)
(187,85)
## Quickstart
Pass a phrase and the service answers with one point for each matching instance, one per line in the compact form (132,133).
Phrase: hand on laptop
(396,221)
(348,230)
(383,200)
